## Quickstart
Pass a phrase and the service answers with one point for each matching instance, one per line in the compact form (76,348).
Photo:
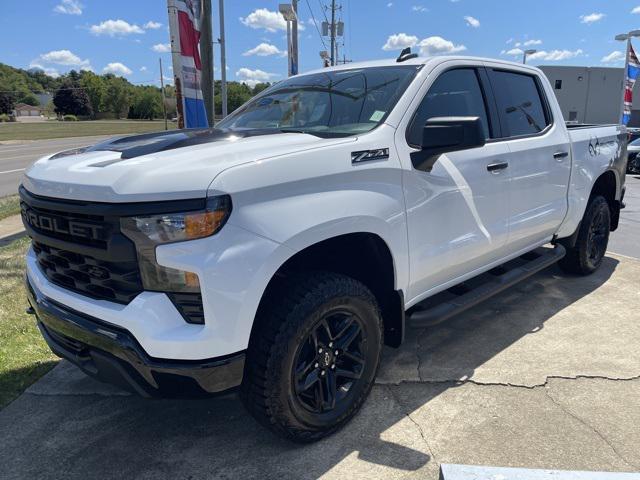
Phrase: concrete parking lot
(545,375)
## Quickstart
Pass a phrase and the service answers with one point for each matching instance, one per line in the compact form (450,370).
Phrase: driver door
(457,213)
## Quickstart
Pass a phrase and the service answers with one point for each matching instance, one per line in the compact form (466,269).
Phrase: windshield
(336,103)
(636,142)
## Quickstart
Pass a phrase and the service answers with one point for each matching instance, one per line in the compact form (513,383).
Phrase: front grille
(80,247)
(118,282)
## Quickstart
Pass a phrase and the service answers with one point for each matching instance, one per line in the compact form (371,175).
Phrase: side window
(520,104)
(455,93)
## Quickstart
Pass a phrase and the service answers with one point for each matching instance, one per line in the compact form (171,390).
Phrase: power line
(316,24)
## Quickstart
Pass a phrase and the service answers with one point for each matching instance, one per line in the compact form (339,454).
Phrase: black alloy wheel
(329,362)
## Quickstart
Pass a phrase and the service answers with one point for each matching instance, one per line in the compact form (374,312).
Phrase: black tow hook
(30,311)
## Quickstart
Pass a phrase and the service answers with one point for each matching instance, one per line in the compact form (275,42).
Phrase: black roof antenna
(406,54)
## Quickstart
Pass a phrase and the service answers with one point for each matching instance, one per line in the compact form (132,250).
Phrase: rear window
(521,106)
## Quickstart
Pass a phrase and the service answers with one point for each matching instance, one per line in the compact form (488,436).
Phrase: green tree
(7,102)
(95,87)
(118,95)
(70,98)
(30,99)
(260,87)
(146,103)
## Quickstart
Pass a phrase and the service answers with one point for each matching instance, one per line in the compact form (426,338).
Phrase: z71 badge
(369,155)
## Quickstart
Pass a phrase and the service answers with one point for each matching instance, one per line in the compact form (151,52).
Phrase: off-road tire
(293,309)
(580,258)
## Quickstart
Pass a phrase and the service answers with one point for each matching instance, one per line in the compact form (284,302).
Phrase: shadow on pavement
(79,436)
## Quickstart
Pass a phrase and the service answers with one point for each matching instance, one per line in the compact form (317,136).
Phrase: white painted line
(13,171)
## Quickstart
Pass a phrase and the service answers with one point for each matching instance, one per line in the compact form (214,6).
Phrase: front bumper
(112,354)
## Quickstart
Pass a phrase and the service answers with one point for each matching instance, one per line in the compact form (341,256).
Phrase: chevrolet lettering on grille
(60,225)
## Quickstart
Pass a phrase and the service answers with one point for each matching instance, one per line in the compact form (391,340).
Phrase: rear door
(457,212)
(539,160)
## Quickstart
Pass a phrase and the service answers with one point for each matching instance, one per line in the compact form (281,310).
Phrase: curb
(11,229)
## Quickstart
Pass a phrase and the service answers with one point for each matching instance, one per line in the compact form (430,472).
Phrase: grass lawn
(9,206)
(55,129)
(24,356)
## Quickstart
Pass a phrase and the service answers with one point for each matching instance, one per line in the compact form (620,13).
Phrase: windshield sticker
(377,116)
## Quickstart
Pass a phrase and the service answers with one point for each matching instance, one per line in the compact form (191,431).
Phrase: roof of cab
(420,61)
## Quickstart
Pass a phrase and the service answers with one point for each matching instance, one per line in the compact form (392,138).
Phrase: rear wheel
(593,237)
(313,356)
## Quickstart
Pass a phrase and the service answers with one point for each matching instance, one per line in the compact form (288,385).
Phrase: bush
(69,118)
(4,117)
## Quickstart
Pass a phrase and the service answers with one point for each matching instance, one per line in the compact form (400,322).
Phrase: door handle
(496,167)
(559,156)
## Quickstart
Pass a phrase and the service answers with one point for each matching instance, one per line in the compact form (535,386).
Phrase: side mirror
(447,134)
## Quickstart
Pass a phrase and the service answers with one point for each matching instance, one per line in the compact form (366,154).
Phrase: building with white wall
(591,94)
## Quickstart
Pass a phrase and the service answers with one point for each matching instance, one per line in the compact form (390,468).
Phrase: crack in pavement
(418,426)
(464,381)
(592,428)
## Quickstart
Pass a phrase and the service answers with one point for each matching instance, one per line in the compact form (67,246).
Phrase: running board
(464,295)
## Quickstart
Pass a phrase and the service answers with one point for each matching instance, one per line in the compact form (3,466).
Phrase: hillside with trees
(89,95)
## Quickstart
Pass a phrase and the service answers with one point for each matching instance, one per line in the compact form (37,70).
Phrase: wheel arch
(364,256)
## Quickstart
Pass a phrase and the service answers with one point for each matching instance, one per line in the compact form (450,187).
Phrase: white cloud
(263,18)
(400,41)
(117,68)
(439,46)
(69,7)
(390,4)
(253,77)
(60,57)
(151,25)
(472,22)
(264,50)
(115,28)
(161,47)
(143,69)
(514,52)
(532,42)
(591,18)
(636,10)
(613,57)
(555,55)
(419,8)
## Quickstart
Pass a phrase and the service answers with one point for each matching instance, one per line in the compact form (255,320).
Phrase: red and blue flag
(633,69)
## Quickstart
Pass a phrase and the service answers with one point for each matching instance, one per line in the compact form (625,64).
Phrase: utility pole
(164,99)
(223,62)
(206,53)
(333,32)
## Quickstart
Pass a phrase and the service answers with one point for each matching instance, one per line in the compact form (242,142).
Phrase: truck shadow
(124,436)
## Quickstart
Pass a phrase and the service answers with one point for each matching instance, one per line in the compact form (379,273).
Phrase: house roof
(24,106)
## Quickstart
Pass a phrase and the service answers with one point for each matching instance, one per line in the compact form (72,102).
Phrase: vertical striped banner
(184,30)
(630,76)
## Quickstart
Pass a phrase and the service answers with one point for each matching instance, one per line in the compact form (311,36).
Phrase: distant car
(633,149)
(634,134)
(174,119)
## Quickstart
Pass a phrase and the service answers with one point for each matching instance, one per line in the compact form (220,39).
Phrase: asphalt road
(16,157)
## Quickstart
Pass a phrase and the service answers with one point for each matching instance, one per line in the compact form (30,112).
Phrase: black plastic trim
(112,354)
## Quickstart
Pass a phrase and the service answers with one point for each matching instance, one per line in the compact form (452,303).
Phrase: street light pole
(294,39)
(526,53)
(288,12)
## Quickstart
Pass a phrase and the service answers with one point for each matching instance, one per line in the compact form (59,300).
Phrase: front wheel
(313,355)
(587,254)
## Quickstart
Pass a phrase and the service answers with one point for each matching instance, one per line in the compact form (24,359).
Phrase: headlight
(147,232)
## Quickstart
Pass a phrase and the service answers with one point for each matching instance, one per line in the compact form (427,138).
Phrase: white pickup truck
(279,251)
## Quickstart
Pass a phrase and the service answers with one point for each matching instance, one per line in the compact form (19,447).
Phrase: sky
(127,37)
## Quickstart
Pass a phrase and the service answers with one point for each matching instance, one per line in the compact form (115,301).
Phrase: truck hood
(159,166)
